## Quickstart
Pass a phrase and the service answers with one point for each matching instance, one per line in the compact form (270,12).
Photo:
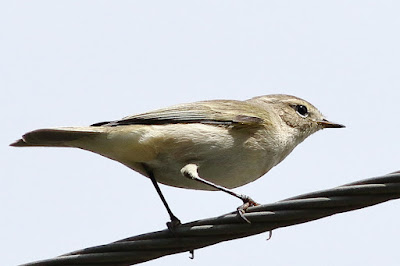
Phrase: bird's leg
(190,171)
(174,220)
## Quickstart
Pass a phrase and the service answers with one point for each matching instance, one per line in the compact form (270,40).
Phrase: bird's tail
(57,137)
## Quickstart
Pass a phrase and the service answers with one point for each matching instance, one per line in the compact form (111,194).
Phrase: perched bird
(207,145)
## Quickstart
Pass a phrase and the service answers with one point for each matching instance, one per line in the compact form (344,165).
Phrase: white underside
(229,157)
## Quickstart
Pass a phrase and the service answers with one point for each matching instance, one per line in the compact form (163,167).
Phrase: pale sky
(66,63)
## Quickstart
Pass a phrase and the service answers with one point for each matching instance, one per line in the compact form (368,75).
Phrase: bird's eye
(301,110)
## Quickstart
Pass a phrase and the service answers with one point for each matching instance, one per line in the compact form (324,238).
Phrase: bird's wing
(217,112)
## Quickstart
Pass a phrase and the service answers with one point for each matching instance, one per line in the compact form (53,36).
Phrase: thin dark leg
(174,220)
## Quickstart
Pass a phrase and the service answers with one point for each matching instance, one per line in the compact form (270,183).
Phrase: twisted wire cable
(206,232)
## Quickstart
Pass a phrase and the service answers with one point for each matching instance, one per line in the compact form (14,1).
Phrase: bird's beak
(326,124)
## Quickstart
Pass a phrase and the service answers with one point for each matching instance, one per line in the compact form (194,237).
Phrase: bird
(204,145)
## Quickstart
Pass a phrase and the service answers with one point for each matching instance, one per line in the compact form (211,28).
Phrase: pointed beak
(326,124)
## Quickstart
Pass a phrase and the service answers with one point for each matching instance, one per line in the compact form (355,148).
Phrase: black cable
(202,233)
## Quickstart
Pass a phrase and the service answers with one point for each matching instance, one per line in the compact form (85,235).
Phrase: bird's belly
(226,157)
(225,169)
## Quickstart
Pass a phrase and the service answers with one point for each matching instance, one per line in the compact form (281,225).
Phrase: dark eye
(301,110)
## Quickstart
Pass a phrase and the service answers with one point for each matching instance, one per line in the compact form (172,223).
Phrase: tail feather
(59,137)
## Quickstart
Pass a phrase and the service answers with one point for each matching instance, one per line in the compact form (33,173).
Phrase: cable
(202,233)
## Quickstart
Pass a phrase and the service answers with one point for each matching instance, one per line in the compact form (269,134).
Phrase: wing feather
(219,112)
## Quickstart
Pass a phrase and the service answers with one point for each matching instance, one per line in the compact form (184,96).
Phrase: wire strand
(197,234)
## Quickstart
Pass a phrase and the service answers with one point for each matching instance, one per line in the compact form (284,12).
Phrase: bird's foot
(247,202)
(175,222)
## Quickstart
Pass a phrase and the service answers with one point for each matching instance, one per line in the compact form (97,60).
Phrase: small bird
(206,145)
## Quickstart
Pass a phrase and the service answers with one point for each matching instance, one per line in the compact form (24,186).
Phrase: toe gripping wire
(194,235)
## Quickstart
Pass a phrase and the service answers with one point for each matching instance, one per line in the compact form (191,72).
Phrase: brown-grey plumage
(217,135)
(230,143)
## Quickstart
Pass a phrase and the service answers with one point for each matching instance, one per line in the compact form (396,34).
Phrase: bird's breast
(226,156)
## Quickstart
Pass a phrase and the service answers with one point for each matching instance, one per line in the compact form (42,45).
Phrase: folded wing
(219,112)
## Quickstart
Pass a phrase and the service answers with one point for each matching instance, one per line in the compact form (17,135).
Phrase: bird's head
(295,115)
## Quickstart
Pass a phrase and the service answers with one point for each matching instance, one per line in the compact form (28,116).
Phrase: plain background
(69,63)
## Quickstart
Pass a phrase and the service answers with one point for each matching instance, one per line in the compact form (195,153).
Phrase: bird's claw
(173,223)
(247,202)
